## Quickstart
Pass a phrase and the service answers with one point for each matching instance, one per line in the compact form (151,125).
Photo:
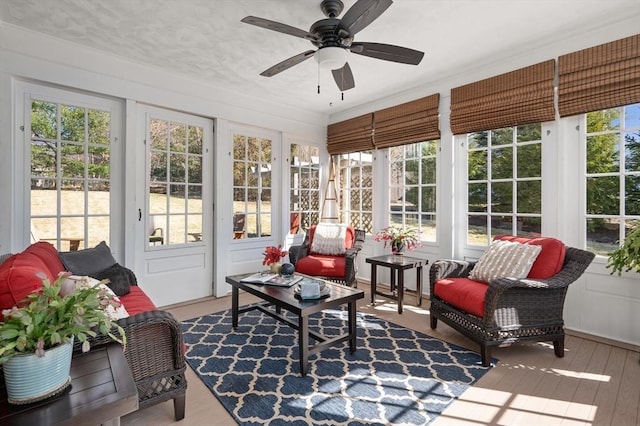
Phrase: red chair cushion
(136,301)
(322,265)
(349,238)
(463,293)
(550,260)
(48,254)
(20,275)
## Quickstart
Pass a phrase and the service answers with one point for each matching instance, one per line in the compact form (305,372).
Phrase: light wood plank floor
(596,383)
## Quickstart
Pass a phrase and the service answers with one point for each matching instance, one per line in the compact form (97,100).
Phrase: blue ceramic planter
(30,378)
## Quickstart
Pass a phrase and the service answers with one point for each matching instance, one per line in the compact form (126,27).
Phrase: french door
(174,193)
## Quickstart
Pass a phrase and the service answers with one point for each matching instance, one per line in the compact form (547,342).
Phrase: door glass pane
(252,187)
(175,183)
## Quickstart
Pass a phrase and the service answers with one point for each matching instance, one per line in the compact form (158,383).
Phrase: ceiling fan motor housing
(325,30)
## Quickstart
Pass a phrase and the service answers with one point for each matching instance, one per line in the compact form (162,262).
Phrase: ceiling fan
(334,39)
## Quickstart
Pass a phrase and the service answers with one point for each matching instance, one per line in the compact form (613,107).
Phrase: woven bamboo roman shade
(600,77)
(410,122)
(518,97)
(351,135)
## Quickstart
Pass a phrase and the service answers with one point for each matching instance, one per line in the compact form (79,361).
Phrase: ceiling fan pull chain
(342,94)
(318,78)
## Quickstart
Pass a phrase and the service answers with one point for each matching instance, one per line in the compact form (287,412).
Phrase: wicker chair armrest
(351,266)
(449,268)
(298,252)
(154,342)
(352,252)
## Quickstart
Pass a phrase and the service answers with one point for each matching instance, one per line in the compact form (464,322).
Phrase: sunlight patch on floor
(392,306)
(497,407)
(582,375)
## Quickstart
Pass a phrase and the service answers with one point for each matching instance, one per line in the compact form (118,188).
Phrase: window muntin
(612,180)
(175,181)
(355,171)
(504,183)
(412,187)
(304,171)
(252,186)
(70,174)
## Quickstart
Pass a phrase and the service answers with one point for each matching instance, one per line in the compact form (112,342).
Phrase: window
(175,182)
(504,186)
(70,174)
(356,186)
(252,186)
(304,171)
(612,176)
(412,187)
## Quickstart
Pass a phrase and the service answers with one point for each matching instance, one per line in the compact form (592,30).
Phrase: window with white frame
(304,170)
(612,159)
(412,188)
(252,186)
(70,174)
(355,171)
(504,183)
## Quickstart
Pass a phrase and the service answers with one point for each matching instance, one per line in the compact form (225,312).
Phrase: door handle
(139,215)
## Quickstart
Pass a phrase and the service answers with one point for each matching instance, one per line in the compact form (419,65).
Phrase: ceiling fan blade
(361,14)
(344,78)
(288,63)
(279,27)
(388,52)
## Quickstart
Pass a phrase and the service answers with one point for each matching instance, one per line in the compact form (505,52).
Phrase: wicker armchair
(515,310)
(314,263)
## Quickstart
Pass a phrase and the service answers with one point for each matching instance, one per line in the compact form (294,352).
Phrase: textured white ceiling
(204,39)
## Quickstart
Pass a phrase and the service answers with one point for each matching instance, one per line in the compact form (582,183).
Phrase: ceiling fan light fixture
(331,57)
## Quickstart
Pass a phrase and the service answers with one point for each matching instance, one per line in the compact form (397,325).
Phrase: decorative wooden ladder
(329,211)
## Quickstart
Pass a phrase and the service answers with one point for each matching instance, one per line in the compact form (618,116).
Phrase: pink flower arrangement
(273,254)
(396,237)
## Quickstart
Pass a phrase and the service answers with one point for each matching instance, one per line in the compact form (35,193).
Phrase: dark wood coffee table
(278,298)
(102,390)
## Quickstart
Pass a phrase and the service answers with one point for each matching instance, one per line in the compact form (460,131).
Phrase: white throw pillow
(505,259)
(84,282)
(328,239)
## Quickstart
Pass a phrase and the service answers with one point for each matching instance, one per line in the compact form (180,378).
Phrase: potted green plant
(627,256)
(37,336)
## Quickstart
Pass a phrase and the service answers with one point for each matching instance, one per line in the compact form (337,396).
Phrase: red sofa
(155,348)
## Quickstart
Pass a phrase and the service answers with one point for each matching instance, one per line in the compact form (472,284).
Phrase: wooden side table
(398,264)
(102,390)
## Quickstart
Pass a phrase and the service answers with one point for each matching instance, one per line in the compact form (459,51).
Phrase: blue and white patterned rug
(396,376)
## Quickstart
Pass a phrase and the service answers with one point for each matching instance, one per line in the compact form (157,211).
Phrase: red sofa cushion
(349,238)
(20,275)
(136,301)
(550,260)
(48,254)
(463,293)
(322,265)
